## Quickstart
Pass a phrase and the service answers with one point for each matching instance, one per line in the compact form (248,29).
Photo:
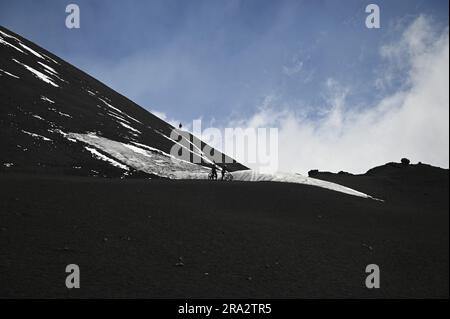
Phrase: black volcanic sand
(204,239)
(81,98)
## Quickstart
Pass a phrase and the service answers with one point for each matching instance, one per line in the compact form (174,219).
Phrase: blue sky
(223,60)
(210,59)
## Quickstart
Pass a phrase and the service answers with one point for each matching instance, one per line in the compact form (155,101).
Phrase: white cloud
(412,122)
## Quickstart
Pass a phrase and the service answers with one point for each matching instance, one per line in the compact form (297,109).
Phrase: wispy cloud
(295,67)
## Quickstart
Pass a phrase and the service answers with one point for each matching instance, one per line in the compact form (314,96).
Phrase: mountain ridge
(45,98)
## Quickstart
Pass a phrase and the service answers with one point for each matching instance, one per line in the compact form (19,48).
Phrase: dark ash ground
(230,240)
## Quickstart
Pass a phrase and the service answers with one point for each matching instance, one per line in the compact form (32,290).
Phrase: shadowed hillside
(43,99)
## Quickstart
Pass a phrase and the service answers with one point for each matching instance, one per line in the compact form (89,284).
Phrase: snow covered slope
(56,119)
(147,159)
(50,110)
(252,176)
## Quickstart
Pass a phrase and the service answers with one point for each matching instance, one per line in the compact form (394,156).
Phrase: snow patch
(38,117)
(253,176)
(117,110)
(50,69)
(193,151)
(8,36)
(152,162)
(118,117)
(58,131)
(65,135)
(129,127)
(49,58)
(152,149)
(44,98)
(37,136)
(22,148)
(10,74)
(109,105)
(105,158)
(30,50)
(60,113)
(10,45)
(39,75)
(64,114)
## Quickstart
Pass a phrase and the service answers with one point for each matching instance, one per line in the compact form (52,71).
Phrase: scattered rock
(180,262)
(405,161)
(313,172)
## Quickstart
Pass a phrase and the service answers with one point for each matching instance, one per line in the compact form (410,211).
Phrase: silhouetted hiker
(180,126)
(223,173)
(214,172)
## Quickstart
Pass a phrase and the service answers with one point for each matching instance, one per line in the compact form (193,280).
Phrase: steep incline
(51,111)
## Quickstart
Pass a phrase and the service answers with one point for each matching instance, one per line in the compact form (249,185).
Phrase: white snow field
(252,176)
(141,158)
(150,160)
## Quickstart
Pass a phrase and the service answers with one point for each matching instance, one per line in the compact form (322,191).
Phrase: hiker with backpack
(223,173)
(213,174)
